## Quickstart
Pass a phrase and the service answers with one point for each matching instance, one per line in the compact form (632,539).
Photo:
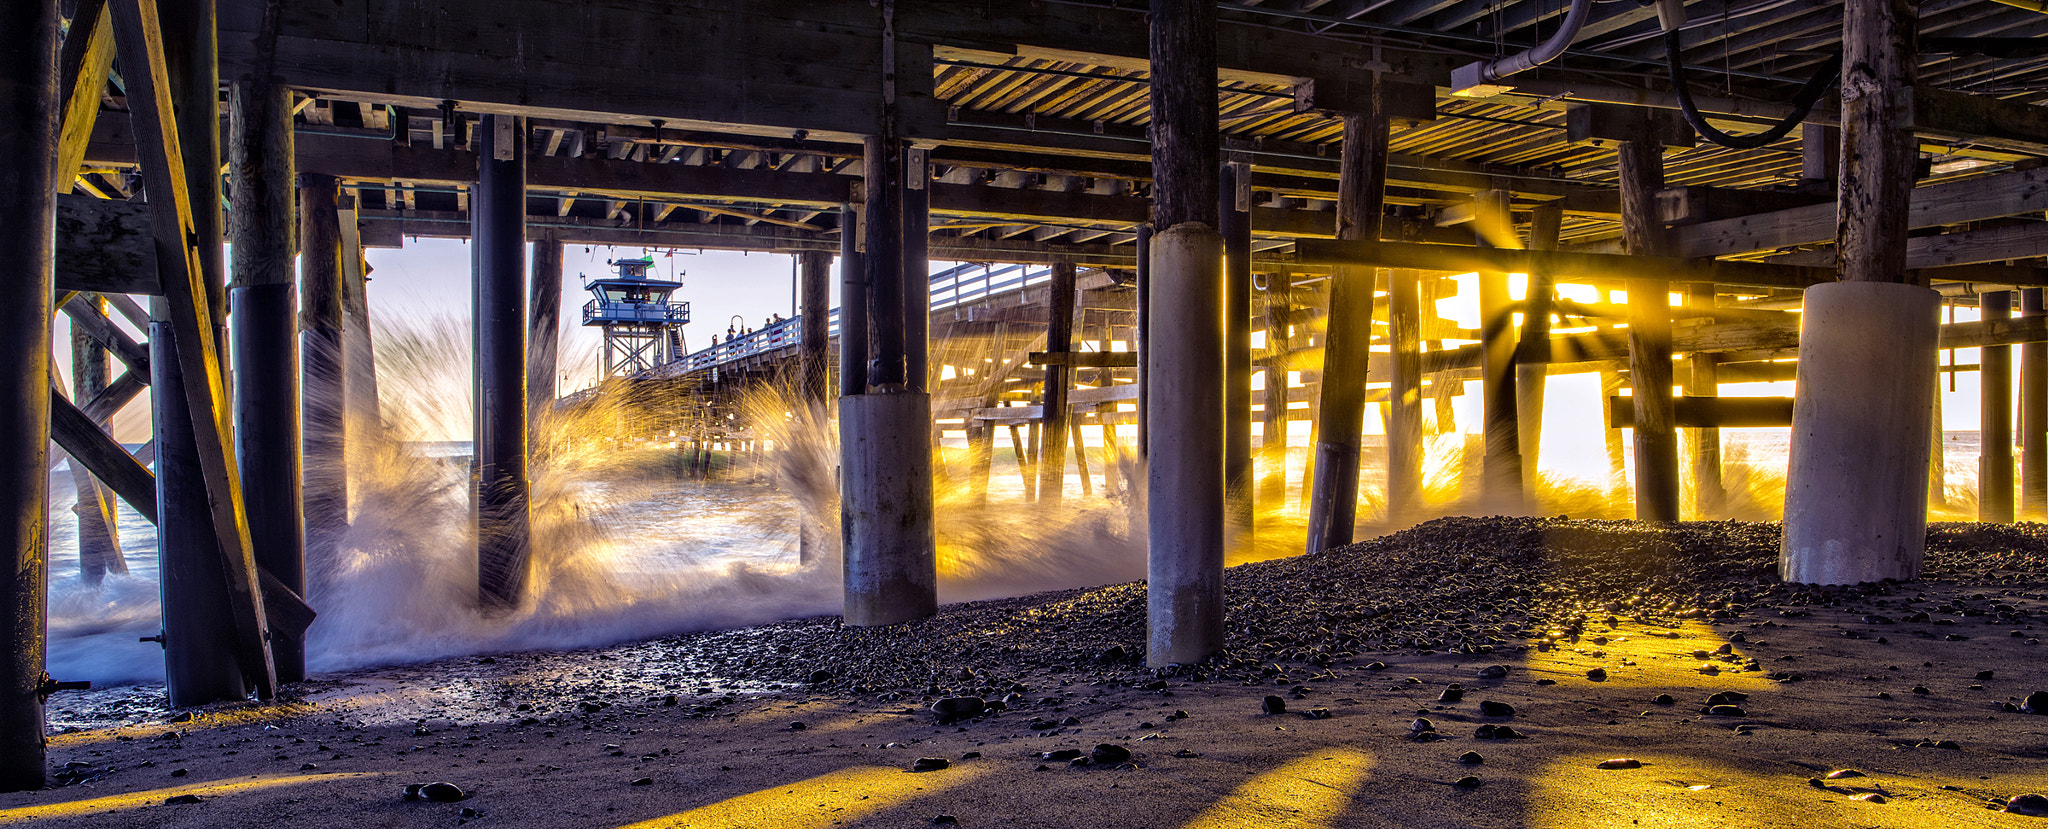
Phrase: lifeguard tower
(642,329)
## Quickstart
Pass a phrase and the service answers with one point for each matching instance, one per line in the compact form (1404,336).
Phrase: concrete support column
(2033,417)
(1856,478)
(1184,353)
(1649,336)
(1347,349)
(1059,339)
(1235,223)
(1994,464)
(323,393)
(499,348)
(1185,462)
(265,340)
(28,162)
(1855,496)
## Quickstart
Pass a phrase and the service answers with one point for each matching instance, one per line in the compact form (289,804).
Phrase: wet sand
(1358,644)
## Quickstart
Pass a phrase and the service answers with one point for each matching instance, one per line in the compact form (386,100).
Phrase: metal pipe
(28,163)
(1465,77)
(499,348)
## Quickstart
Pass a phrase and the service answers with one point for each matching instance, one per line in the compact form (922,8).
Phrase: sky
(430,277)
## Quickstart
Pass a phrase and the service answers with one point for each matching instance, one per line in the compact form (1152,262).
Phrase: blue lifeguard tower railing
(642,328)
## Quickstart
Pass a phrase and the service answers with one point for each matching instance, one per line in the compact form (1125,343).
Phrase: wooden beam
(81,438)
(1967,247)
(141,48)
(1567,266)
(88,57)
(88,319)
(105,246)
(1709,412)
(2009,124)
(1953,202)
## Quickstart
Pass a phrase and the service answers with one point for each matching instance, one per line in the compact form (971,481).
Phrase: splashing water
(625,547)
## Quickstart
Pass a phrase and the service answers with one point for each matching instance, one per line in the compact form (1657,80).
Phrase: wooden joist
(139,39)
(1084,359)
(87,318)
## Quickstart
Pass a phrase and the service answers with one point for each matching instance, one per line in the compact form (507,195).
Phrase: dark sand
(1372,634)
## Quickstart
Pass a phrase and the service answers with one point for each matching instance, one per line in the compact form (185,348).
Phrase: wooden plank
(88,58)
(80,438)
(1968,247)
(105,247)
(141,48)
(1566,266)
(1953,202)
(2009,124)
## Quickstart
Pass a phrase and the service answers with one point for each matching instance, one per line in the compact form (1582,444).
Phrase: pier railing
(958,285)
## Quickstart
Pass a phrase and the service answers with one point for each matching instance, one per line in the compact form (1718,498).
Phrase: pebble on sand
(1273,705)
(1471,758)
(1491,708)
(929,764)
(1844,774)
(2037,703)
(1620,763)
(2031,805)
(1110,754)
(1467,783)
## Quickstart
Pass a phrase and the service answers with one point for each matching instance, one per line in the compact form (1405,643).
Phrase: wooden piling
(853,306)
(1059,339)
(2033,417)
(1649,335)
(265,337)
(544,335)
(99,536)
(1532,353)
(499,210)
(1703,380)
(1404,414)
(322,438)
(1501,485)
(28,156)
(1279,355)
(1994,469)
(814,328)
(1235,223)
(1340,418)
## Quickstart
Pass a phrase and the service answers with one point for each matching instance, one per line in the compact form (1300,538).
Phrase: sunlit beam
(1309,792)
(154,797)
(825,800)
(1637,656)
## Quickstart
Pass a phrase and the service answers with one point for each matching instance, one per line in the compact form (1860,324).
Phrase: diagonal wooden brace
(139,41)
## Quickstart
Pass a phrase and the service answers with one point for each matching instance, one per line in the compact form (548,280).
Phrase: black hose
(1802,103)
